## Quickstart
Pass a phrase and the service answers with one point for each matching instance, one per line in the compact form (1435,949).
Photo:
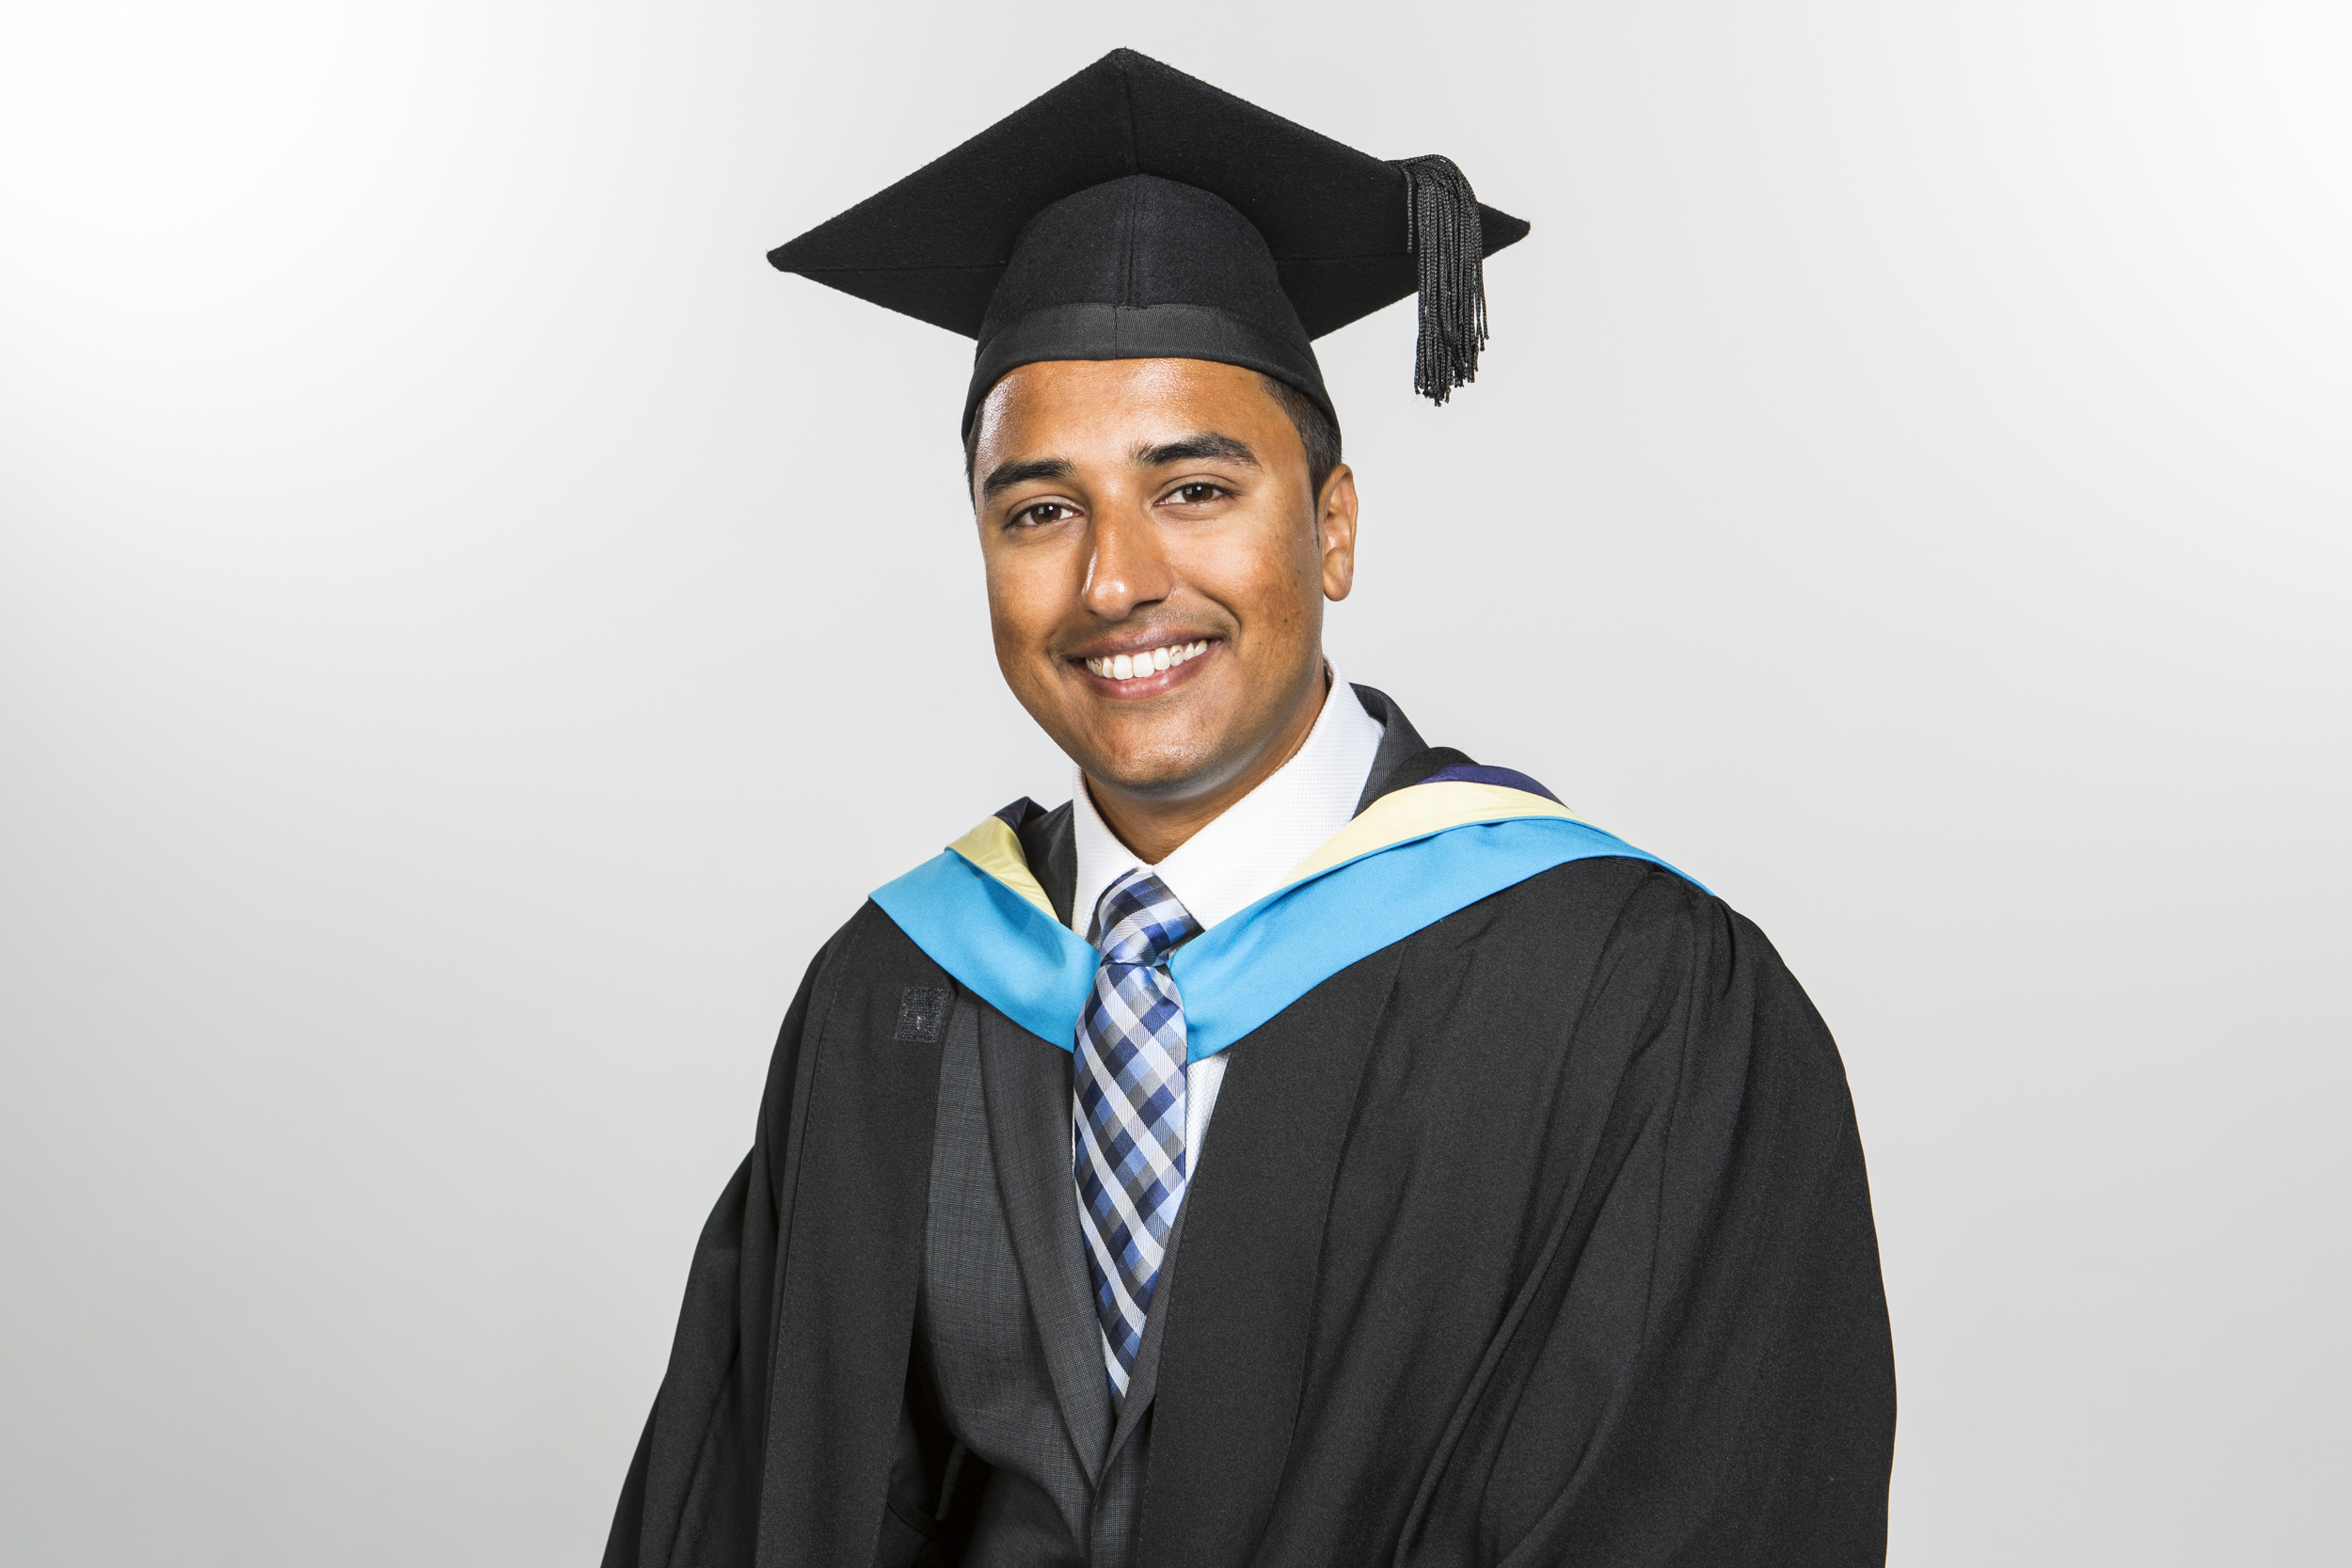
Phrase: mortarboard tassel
(1443,233)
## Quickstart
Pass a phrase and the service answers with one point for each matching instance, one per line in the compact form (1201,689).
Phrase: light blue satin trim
(1024,962)
(1244,970)
(1241,971)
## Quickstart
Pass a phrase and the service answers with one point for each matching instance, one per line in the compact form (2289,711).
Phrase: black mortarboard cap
(1134,212)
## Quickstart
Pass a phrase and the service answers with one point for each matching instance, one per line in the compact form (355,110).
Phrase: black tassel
(1443,233)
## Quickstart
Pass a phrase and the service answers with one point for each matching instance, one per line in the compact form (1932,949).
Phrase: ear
(1335,533)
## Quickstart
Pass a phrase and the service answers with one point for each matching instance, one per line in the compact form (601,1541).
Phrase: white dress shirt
(1243,855)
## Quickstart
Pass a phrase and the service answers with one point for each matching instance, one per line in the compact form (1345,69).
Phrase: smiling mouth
(1152,661)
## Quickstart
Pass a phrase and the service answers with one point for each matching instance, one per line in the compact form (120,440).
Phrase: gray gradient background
(469,630)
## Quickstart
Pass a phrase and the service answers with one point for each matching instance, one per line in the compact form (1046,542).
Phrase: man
(1307,1145)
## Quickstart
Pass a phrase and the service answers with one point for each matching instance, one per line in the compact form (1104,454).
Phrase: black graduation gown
(1540,1237)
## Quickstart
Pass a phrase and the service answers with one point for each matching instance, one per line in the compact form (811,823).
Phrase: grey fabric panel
(980,1338)
(1022,1525)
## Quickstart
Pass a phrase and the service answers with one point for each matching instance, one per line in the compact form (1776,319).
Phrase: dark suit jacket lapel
(1025,1082)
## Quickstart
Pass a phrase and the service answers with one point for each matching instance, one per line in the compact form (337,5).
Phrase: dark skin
(1129,505)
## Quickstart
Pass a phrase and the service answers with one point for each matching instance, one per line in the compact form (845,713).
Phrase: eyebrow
(1005,475)
(1192,447)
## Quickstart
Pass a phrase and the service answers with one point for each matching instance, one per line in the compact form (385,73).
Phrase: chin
(1167,767)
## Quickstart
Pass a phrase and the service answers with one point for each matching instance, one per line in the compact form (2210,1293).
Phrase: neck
(1155,830)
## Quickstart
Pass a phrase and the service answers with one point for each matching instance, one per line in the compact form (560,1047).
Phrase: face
(1157,566)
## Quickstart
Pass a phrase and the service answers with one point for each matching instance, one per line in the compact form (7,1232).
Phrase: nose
(1129,568)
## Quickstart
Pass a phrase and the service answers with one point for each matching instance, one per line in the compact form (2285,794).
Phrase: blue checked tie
(1130,1075)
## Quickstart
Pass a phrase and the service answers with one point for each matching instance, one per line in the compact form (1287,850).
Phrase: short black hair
(1317,432)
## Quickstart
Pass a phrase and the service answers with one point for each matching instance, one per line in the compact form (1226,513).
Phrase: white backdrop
(469,630)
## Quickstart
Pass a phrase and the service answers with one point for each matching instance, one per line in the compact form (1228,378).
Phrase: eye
(1045,511)
(1197,493)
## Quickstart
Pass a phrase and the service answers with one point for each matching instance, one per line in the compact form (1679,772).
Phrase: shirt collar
(1252,849)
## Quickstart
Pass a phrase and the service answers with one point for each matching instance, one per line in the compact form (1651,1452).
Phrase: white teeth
(1126,667)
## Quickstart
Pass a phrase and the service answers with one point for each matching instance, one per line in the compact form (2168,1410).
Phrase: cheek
(1013,595)
(1270,581)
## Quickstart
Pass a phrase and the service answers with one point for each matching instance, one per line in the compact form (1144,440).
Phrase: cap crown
(1143,241)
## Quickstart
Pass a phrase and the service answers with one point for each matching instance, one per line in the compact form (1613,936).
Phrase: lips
(1147,662)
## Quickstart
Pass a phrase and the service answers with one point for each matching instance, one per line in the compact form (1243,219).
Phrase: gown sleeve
(1702,1371)
(691,1495)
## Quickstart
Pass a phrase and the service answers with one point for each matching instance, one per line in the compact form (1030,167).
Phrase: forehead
(1072,405)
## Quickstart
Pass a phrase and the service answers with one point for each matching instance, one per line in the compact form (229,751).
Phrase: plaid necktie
(1129,1068)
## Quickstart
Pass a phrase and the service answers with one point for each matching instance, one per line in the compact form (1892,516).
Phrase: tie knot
(1140,922)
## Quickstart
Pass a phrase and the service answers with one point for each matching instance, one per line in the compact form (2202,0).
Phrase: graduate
(1307,1144)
